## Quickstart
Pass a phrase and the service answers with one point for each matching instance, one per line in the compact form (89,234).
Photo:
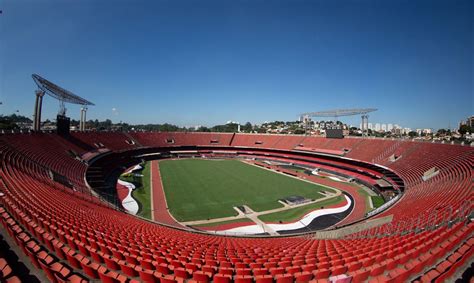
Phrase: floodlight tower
(82,122)
(64,96)
(37,111)
(345,112)
(365,125)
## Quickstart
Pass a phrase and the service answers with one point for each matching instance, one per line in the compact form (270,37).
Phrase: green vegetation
(366,196)
(199,189)
(142,190)
(240,220)
(10,122)
(377,201)
(296,213)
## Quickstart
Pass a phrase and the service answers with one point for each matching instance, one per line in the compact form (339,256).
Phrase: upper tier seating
(157,139)
(50,151)
(111,140)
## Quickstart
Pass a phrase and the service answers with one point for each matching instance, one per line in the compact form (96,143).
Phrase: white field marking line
(304,180)
(359,187)
(151,191)
(352,211)
(368,191)
(370,202)
(164,194)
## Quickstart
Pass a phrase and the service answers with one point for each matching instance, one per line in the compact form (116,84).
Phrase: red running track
(160,212)
(358,212)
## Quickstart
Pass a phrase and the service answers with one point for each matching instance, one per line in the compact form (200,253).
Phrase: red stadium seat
(68,232)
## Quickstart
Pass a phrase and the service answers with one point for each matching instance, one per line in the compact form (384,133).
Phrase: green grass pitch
(377,201)
(198,189)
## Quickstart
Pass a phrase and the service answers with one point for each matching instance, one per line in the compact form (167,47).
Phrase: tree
(247,127)
(299,131)
(168,128)
(465,129)
(412,134)
(74,122)
(16,118)
(203,129)
(95,123)
(107,123)
(7,124)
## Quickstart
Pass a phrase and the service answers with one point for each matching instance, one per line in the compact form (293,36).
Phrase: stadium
(72,234)
(186,149)
(222,207)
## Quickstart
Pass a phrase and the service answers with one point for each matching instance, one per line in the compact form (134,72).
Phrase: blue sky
(206,62)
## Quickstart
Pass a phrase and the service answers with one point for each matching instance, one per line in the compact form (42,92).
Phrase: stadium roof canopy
(58,92)
(340,112)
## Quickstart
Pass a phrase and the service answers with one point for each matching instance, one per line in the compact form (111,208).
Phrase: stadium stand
(7,272)
(113,140)
(72,236)
(160,139)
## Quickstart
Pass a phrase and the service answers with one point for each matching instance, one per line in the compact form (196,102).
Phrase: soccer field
(198,189)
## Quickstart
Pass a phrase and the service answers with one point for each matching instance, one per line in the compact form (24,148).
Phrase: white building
(384,127)
(427,131)
(377,127)
(389,127)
